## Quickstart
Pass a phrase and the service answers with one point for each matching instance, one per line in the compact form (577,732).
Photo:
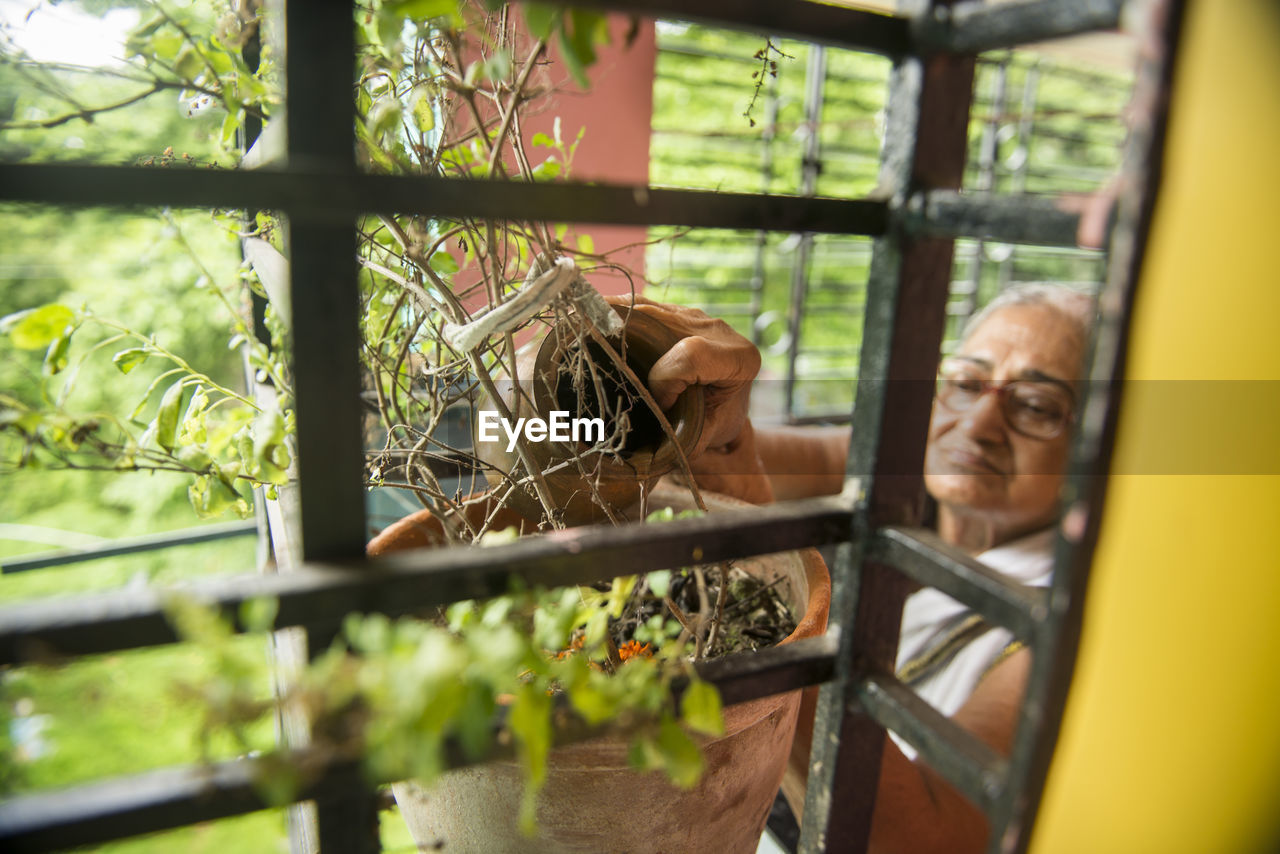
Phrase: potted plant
(447,307)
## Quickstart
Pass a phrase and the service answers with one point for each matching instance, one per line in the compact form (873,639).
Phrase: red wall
(616,112)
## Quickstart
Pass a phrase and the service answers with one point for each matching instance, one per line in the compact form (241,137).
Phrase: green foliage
(211,438)
(411,690)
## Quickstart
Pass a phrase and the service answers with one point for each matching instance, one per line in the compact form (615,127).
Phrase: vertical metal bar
(762,237)
(1018,184)
(1056,650)
(320,128)
(925,144)
(810,165)
(321,136)
(985,180)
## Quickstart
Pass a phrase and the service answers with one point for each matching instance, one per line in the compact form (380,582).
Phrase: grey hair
(1071,302)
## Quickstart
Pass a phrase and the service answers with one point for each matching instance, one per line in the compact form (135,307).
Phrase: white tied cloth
(929,616)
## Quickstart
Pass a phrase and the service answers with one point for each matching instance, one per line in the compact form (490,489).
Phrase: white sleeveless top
(945,648)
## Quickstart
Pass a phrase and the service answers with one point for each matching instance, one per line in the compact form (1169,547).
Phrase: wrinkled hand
(710,354)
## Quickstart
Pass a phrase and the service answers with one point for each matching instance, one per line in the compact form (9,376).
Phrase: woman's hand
(710,354)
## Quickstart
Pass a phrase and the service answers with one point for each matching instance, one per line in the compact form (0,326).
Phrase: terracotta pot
(616,479)
(593,802)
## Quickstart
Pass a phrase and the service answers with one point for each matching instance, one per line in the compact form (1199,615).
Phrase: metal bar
(976,26)
(321,594)
(344,196)
(1018,183)
(1038,220)
(923,555)
(832,25)
(1086,488)
(810,165)
(171,797)
(985,181)
(132,545)
(925,146)
(762,237)
(771,671)
(975,769)
(325,308)
(326,335)
(139,803)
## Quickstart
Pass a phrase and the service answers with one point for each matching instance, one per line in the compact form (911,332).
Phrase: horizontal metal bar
(973,767)
(319,595)
(924,556)
(977,26)
(816,22)
(133,545)
(771,671)
(170,797)
(340,196)
(143,803)
(1031,219)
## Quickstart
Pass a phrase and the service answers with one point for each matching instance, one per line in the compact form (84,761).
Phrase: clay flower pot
(592,800)
(544,369)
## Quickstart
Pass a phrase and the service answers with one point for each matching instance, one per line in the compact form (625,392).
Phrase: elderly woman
(994,465)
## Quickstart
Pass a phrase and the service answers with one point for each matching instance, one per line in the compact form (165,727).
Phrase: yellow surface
(1171,741)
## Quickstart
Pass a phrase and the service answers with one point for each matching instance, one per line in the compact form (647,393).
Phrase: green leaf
(496,66)
(167,44)
(221,61)
(423,9)
(385,116)
(553,621)
(585,694)
(597,625)
(127,360)
(680,757)
(582,31)
(188,64)
(424,111)
(642,755)
(700,708)
(475,730)
(230,125)
(194,457)
(199,401)
(619,592)
(573,61)
(151,389)
(217,497)
(666,514)
(541,19)
(259,613)
(37,328)
(166,423)
(660,583)
(443,263)
(586,245)
(530,723)
(547,170)
(55,360)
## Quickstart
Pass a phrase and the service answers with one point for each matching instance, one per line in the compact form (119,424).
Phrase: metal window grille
(932,48)
(816,130)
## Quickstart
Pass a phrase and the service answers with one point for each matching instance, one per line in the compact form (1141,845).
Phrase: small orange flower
(574,646)
(632,648)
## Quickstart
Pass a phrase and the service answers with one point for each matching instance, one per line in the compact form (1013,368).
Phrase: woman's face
(976,465)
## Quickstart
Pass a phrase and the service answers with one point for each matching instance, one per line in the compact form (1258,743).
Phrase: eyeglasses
(1039,410)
